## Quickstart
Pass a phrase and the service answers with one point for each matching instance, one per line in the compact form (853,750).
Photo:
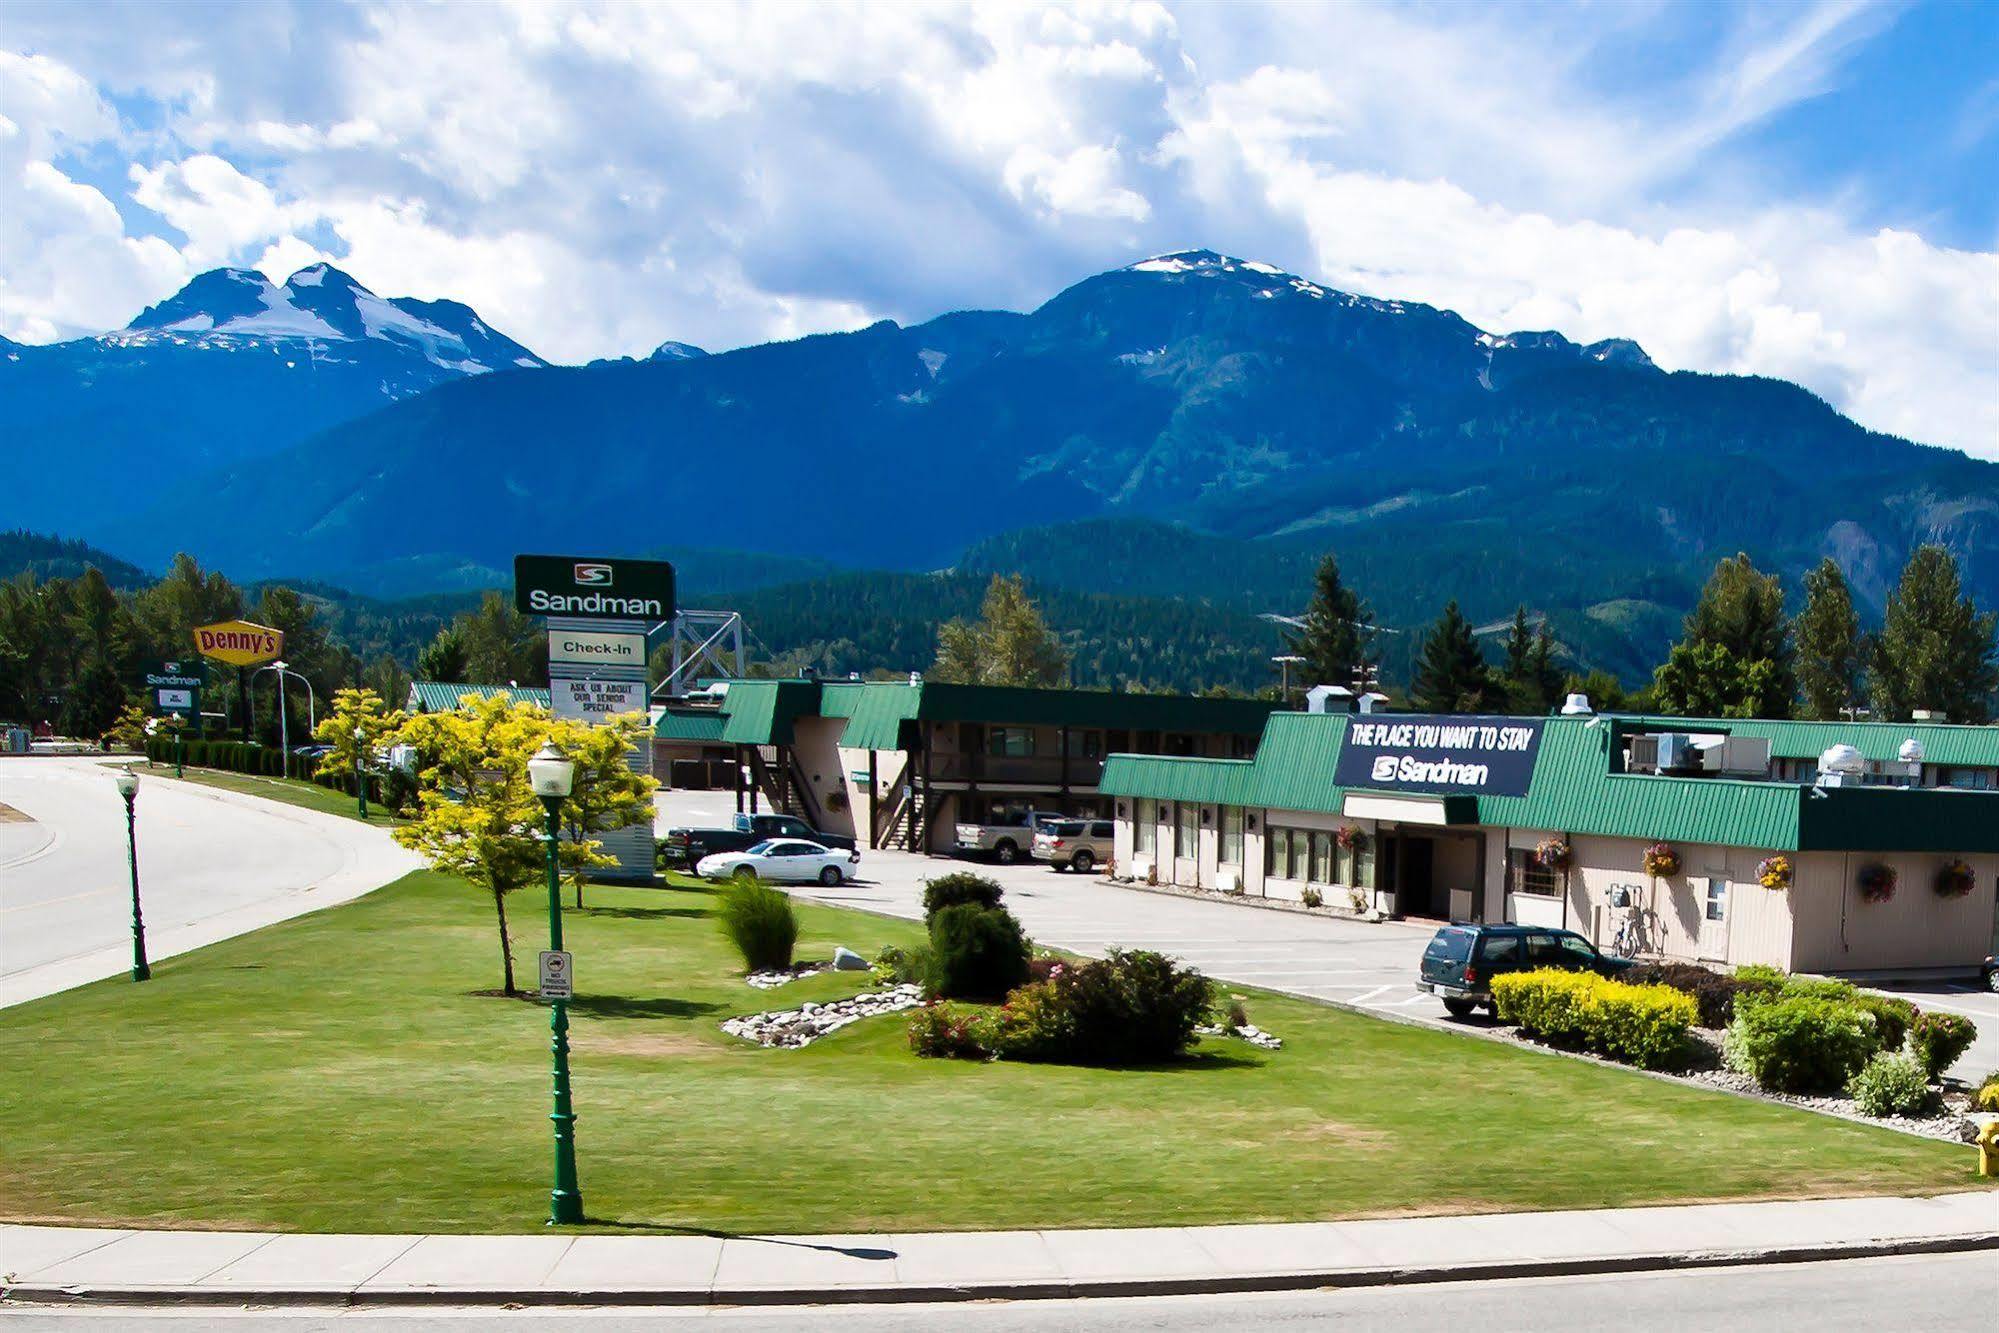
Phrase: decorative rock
(846,960)
(772,980)
(1248,1032)
(792,1028)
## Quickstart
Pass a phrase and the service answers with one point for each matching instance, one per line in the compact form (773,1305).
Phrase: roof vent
(1372,701)
(1328,699)
(1928,715)
(1840,762)
(916,678)
(1911,751)
(1577,705)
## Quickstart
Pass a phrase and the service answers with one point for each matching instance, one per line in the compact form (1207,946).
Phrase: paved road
(211,864)
(1942,1293)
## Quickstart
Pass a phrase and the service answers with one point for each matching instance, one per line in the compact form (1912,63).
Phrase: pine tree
(1451,673)
(1831,648)
(1740,613)
(443,658)
(1338,634)
(1936,649)
(1010,644)
(1533,681)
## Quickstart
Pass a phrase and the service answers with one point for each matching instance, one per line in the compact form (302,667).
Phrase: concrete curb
(933,1293)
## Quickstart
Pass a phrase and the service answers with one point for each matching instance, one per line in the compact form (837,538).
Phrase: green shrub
(1762,974)
(1822,988)
(1309,896)
(1644,1025)
(1938,1039)
(1713,992)
(951,1032)
(1987,1096)
(895,965)
(1799,1043)
(960,886)
(1132,1007)
(976,952)
(1891,1085)
(1892,1017)
(762,924)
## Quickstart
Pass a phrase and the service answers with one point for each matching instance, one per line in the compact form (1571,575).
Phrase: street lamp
(551,775)
(128,787)
(360,778)
(176,722)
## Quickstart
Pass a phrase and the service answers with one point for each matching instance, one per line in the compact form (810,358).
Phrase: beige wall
(1838,930)
(815,741)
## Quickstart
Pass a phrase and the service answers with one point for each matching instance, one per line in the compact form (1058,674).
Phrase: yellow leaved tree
(362,710)
(476,816)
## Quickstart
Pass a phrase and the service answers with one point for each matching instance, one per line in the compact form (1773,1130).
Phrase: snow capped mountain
(226,305)
(673,351)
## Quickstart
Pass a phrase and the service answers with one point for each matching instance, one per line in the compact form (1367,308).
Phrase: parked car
(1078,844)
(1009,839)
(686,846)
(1463,958)
(1988,972)
(785,860)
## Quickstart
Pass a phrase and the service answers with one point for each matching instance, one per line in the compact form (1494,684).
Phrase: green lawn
(291,791)
(337,1072)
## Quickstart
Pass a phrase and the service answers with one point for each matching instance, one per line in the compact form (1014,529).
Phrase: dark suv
(1463,957)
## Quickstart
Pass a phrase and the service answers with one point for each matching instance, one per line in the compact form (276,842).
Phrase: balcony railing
(1040,770)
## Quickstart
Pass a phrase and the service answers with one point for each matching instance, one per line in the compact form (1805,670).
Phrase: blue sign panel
(1482,756)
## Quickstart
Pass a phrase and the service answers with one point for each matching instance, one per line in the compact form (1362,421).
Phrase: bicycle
(1629,941)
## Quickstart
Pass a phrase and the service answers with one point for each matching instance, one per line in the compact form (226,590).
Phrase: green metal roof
(839,698)
(436,696)
(1574,791)
(761,712)
(703,725)
(879,712)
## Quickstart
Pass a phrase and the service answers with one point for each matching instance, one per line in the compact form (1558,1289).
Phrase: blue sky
(1803,190)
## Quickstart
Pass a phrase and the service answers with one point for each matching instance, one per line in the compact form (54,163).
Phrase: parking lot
(1370,966)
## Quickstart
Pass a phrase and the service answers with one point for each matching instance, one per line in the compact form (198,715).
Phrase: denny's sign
(239,643)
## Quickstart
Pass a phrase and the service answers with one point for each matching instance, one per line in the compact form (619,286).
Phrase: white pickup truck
(1008,841)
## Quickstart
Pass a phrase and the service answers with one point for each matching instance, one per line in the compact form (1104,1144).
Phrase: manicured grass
(337,1072)
(291,791)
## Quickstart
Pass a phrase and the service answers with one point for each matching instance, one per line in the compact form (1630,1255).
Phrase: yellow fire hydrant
(1988,1148)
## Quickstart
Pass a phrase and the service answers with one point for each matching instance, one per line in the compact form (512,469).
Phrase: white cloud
(598,177)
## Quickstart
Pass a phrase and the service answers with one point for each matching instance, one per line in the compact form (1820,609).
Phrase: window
(1144,826)
(1363,865)
(1322,858)
(1528,875)
(1500,950)
(1010,742)
(1579,950)
(1187,831)
(1231,854)
(1543,951)
(1277,853)
(1717,899)
(1086,744)
(1968,779)
(1100,830)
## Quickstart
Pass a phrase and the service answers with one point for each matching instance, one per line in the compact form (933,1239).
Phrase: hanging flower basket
(1554,853)
(1661,861)
(1877,883)
(1774,872)
(1954,880)
(1351,837)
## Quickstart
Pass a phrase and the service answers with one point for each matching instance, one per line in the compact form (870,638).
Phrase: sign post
(598,612)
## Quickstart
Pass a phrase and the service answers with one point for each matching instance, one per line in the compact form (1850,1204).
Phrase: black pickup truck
(686,846)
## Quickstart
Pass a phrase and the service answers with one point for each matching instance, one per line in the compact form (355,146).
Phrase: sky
(1807,190)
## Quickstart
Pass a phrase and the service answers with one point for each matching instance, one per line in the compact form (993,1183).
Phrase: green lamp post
(128,787)
(176,723)
(360,777)
(551,774)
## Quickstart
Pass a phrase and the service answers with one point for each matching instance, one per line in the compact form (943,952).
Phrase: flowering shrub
(1311,897)
(1877,882)
(1639,1025)
(1351,836)
(1937,1039)
(1661,861)
(1954,880)
(1554,853)
(951,1032)
(1131,1007)
(1774,872)
(1891,1085)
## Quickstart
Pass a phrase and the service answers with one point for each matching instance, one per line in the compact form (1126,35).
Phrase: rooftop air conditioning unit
(1911,751)
(1644,754)
(1746,754)
(1841,766)
(1677,752)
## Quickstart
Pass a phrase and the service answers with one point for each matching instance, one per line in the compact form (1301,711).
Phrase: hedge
(1645,1026)
(1800,1043)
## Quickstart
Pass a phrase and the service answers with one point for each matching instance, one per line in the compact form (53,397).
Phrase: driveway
(212,864)
(1320,958)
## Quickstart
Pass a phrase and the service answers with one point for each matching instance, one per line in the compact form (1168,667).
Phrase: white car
(784,860)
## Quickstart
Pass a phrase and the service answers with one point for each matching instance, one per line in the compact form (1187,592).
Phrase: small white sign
(555,975)
(596,700)
(183,699)
(585,645)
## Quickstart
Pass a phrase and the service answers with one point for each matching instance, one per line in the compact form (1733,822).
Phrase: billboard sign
(240,642)
(593,587)
(1483,756)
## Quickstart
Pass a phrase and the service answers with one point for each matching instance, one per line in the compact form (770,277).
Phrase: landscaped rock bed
(1953,1124)
(804,1025)
(1248,1032)
(772,980)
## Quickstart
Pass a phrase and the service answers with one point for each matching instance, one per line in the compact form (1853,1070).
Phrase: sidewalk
(69,1264)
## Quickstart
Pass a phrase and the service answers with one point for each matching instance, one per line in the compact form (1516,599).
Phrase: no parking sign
(555,974)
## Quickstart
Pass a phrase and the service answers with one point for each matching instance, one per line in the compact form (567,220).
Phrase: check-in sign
(595,648)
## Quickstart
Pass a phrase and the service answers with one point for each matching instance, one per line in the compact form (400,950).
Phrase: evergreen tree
(92,704)
(1533,681)
(443,658)
(1936,649)
(1740,613)
(1010,644)
(1338,634)
(1831,648)
(502,644)
(1451,672)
